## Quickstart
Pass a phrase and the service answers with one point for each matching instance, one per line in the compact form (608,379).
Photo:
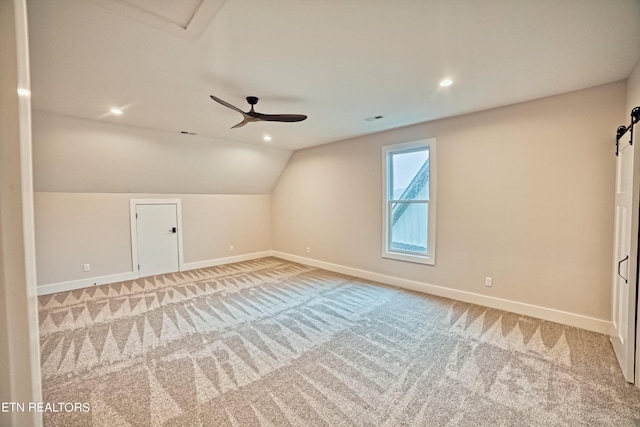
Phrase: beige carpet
(273,343)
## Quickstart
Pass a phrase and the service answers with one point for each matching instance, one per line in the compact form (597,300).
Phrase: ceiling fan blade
(252,116)
(226,104)
(239,125)
(279,117)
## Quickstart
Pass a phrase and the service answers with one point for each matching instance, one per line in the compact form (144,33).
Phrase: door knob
(174,230)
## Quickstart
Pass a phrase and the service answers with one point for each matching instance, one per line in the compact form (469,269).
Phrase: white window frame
(430,257)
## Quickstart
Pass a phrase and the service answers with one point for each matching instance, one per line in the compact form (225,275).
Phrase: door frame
(134,229)
(635,250)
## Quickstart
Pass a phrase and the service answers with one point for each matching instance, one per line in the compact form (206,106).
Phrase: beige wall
(77,228)
(86,171)
(525,195)
(87,156)
(633,93)
(213,223)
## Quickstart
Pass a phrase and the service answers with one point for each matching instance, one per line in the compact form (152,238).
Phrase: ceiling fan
(253,116)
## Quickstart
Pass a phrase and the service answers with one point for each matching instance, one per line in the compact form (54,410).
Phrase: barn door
(625,261)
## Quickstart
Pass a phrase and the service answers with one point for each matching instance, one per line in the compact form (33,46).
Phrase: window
(409,201)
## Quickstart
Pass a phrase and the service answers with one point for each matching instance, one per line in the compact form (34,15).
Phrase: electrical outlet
(488,281)
(231,248)
(86,267)
(308,249)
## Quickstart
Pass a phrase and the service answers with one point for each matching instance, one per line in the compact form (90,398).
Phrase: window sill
(418,259)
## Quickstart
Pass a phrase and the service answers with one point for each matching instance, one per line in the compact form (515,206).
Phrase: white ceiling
(338,61)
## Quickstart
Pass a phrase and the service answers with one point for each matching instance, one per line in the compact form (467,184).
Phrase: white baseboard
(227,260)
(85,283)
(113,278)
(550,314)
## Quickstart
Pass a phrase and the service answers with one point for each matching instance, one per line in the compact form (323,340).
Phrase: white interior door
(157,238)
(625,264)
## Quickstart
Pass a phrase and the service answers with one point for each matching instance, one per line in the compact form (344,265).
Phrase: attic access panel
(184,18)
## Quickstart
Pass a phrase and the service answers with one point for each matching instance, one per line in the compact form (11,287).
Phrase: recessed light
(184,132)
(267,138)
(116,111)
(24,92)
(446,82)
(373,118)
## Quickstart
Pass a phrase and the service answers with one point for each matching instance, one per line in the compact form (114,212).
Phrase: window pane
(410,178)
(409,227)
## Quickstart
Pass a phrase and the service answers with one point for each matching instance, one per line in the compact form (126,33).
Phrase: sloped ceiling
(337,61)
(76,155)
